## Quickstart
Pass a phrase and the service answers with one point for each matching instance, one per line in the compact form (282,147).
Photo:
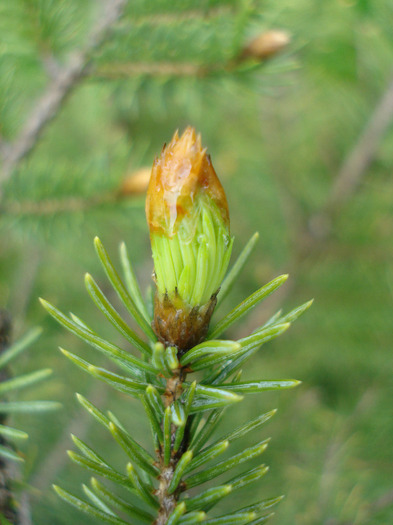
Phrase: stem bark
(168,502)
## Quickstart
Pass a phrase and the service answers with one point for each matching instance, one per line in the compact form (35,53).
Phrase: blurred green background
(303,143)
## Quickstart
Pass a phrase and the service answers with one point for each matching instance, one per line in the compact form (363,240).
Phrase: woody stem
(174,387)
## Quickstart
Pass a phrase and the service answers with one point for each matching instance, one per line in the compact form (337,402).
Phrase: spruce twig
(189,231)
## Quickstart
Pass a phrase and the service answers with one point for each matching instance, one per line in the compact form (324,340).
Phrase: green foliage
(203,236)
(16,383)
(279,134)
(209,395)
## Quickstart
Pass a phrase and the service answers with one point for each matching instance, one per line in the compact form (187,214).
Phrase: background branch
(362,154)
(307,239)
(125,70)
(60,87)
(356,164)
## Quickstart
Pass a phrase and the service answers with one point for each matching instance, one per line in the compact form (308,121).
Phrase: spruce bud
(188,218)
(266,45)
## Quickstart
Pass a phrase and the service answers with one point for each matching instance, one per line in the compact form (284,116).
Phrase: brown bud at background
(266,45)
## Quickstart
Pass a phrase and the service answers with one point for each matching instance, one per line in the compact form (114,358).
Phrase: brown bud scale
(181,174)
(179,326)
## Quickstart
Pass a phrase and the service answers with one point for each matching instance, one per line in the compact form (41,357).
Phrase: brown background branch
(355,165)
(63,82)
(363,153)
(309,235)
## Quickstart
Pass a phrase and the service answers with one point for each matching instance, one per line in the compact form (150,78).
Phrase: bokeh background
(301,136)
